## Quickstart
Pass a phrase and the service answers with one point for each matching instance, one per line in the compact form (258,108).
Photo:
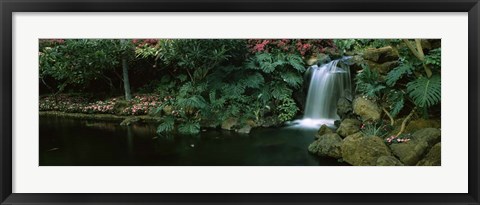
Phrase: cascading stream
(328,83)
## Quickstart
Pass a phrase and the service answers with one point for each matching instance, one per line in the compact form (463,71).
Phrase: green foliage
(405,68)
(378,128)
(77,62)
(434,58)
(287,109)
(396,101)
(167,125)
(369,83)
(425,92)
(189,128)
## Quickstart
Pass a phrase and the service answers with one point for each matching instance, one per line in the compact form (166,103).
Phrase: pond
(73,142)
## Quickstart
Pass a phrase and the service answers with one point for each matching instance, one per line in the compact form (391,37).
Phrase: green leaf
(425,92)
(394,75)
(167,125)
(292,79)
(189,128)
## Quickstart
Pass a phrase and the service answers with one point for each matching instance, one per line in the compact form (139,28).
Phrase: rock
(363,151)
(270,121)
(380,55)
(245,129)
(429,135)
(344,108)
(413,151)
(327,145)
(366,109)
(167,109)
(419,124)
(348,127)
(324,129)
(382,68)
(229,123)
(410,152)
(433,157)
(209,123)
(388,161)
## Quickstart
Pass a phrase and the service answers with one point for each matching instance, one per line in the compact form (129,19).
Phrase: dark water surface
(74,142)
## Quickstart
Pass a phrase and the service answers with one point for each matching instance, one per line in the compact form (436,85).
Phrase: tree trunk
(126,82)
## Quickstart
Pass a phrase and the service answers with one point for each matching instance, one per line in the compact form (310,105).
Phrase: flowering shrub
(304,47)
(142,105)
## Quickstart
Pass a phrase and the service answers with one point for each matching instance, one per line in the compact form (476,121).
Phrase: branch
(389,116)
(414,51)
(404,123)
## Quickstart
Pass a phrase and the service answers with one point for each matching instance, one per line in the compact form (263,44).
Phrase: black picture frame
(7,7)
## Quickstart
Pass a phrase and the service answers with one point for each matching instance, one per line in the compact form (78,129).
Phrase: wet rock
(327,145)
(363,151)
(344,108)
(245,129)
(380,55)
(366,109)
(348,127)
(324,129)
(388,161)
(433,157)
(413,151)
(229,123)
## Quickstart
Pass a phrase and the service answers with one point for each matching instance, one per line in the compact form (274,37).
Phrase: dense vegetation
(202,82)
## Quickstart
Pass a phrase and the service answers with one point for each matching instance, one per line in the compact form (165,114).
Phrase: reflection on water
(79,142)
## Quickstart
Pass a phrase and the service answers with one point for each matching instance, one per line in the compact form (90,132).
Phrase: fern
(292,79)
(167,125)
(192,102)
(396,100)
(368,82)
(253,81)
(296,62)
(394,75)
(425,92)
(189,128)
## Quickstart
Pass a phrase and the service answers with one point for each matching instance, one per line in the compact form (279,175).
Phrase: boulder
(380,55)
(388,161)
(229,123)
(327,145)
(245,129)
(363,151)
(324,129)
(344,108)
(348,127)
(366,109)
(429,135)
(419,124)
(433,157)
(413,151)
(382,68)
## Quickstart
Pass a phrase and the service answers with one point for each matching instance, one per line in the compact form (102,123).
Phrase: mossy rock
(433,157)
(348,127)
(388,161)
(327,145)
(324,129)
(359,150)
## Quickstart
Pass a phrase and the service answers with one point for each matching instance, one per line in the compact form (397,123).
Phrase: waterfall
(327,84)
